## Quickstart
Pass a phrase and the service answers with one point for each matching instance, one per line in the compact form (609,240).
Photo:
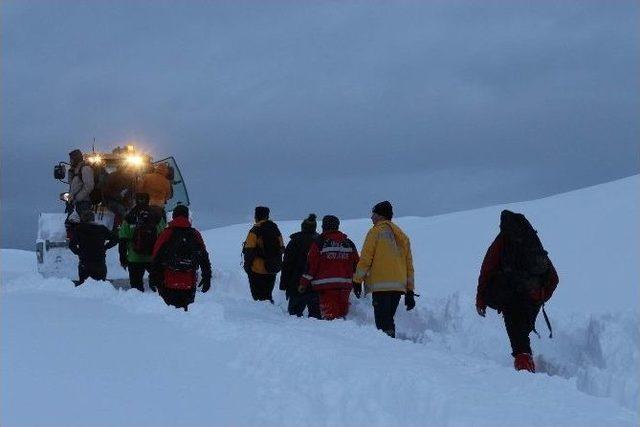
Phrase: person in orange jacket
(157,185)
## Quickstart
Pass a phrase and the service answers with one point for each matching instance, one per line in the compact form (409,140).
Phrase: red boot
(524,361)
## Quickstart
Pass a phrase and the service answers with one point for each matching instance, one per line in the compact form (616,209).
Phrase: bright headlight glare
(135,160)
(95,159)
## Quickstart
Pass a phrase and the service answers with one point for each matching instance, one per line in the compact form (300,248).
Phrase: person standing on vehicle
(81,182)
(90,243)
(262,251)
(294,264)
(177,255)
(157,185)
(331,263)
(138,234)
(386,267)
(517,278)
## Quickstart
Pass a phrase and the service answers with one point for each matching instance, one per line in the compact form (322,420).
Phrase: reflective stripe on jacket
(386,263)
(331,262)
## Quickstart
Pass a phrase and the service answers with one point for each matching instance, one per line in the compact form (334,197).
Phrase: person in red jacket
(177,255)
(516,278)
(331,263)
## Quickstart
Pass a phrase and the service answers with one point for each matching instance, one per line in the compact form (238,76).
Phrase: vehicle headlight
(95,160)
(135,160)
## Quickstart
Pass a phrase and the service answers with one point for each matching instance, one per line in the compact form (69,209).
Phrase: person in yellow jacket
(262,251)
(386,267)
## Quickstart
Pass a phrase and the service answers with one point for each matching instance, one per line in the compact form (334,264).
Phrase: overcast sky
(322,106)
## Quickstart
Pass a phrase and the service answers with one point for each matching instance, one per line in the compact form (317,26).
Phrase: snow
(98,356)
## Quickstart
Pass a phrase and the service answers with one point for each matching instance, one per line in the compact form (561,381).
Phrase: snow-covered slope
(98,356)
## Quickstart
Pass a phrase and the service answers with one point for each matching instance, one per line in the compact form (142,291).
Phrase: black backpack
(145,232)
(183,251)
(271,250)
(525,265)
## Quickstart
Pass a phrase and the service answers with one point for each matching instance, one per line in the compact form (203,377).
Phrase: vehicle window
(180,195)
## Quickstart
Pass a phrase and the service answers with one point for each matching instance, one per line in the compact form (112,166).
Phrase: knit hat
(330,223)
(180,210)
(309,224)
(262,212)
(383,209)
(75,156)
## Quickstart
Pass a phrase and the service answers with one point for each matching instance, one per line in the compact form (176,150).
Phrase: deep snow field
(97,356)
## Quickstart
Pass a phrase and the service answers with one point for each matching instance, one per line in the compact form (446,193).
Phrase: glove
(205,284)
(123,262)
(357,289)
(481,307)
(409,300)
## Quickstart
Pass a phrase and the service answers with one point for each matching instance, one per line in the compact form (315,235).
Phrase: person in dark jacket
(177,255)
(516,278)
(262,251)
(294,265)
(138,234)
(331,264)
(90,242)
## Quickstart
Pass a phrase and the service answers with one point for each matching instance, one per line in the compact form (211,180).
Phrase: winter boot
(524,362)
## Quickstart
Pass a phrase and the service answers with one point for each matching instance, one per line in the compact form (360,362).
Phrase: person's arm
(366,256)
(409,260)
(155,274)
(288,264)
(205,261)
(87,184)
(490,264)
(355,257)
(313,261)
(74,246)
(111,239)
(249,250)
(552,282)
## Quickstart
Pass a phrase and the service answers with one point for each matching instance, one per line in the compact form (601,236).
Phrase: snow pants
(179,298)
(136,274)
(261,286)
(298,302)
(334,303)
(385,305)
(95,269)
(520,319)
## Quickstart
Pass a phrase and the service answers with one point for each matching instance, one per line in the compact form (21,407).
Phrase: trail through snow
(98,356)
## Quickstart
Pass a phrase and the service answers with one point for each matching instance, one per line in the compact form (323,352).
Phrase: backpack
(99,177)
(271,250)
(145,232)
(524,266)
(183,250)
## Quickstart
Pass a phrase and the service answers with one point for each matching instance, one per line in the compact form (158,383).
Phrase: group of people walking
(319,269)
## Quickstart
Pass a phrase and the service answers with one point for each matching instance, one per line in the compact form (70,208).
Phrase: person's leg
(254,285)
(296,304)
(313,304)
(100,271)
(269,284)
(136,275)
(517,322)
(385,305)
(83,274)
